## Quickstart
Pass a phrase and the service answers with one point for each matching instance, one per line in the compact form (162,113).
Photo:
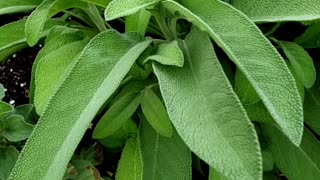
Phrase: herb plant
(188,83)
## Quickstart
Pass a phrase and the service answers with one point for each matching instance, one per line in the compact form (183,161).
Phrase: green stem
(273,29)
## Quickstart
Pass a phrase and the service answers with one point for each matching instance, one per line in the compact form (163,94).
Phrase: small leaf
(311,37)
(71,172)
(244,89)
(207,113)
(130,164)
(168,54)
(120,8)
(15,129)
(117,115)
(26,111)
(16,6)
(8,157)
(163,158)
(301,62)
(2,92)
(291,160)
(5,107)
(156,113)
(86,171)
(275,11)
(138,22)
(95,76)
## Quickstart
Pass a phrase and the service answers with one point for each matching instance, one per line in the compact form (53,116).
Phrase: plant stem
(273,29)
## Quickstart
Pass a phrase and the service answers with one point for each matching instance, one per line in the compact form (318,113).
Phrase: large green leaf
(15,6)
(120,8)
(101,3)
(53,65)
(48,8)
(311,37)
(301,62)
(95,76)
(206,112)
(280,10)
(130,164)
(120,112)
(311,146)
(265,69)
(13,36)
(163,158)
(311,108)
(292,161)
(8,157)
(244,89)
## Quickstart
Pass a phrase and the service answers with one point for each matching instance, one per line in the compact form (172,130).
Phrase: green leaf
(48,8)
(214,175)
(258,112)
(93,79)
(118,138)
(101,3)
(26,111)
(311,37)
(311,146)
(117,115)
(57,62)
(4,108)
(86,171)
(13,36)
(168,54)
(206,112)
(138,22)
(2,92)
(163,158)
(239,37)
(311,108)
(16,6)
(15,129)
(282,10)
(298,81)
(130,164)
(244,89)
(292,161)
(120,8)
(301,62)
(156,113)
(267,160)
(8,157)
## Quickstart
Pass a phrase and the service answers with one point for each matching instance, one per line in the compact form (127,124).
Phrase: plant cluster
(174,86)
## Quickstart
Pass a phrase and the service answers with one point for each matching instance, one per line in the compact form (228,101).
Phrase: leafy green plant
(186,79)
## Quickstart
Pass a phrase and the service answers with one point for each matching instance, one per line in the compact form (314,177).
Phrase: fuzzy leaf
(120,8)
(101,3)
(244,89)
(138,22)
(280,10)
(292,161)
(16,6)
(301,62)
(155,112)
(163,158)
(265,69)
(95,76)
(15,129)
(130,164)
(206,112)
(117,115)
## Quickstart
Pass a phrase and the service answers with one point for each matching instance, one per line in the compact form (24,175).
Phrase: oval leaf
(16,6)
(15,129)
(206,112)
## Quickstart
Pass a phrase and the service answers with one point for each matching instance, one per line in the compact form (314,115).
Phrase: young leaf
(8,157)
(138,22)
(15,129)
(292,161)
(16,6)
(117,115)
(86,171)
(265,69)
(168,54)
(206,112)
(130,164)
(155,112)
(301,62)
(244,89)
(2,92)
(311,146)
(163,158)
(48,8)
(13,36)
(53,66)
(4,108)
(275,11)
(311,37)
(120,8)
(93,79)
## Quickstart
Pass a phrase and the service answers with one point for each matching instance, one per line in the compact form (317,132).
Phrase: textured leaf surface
(244,89)
(280,10)
(298,80)
(311,146)
(130,164)
(75,104)
(156,113)
(53,65)
(311,37)
(206,112)
(15,129)
(8,157)
(15,6)
(301,62)
(120,8)
(138,22)
(292,161)
(265,69)
(258,112)
(168,54)
(101,3)
(117,115)
(163,158)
